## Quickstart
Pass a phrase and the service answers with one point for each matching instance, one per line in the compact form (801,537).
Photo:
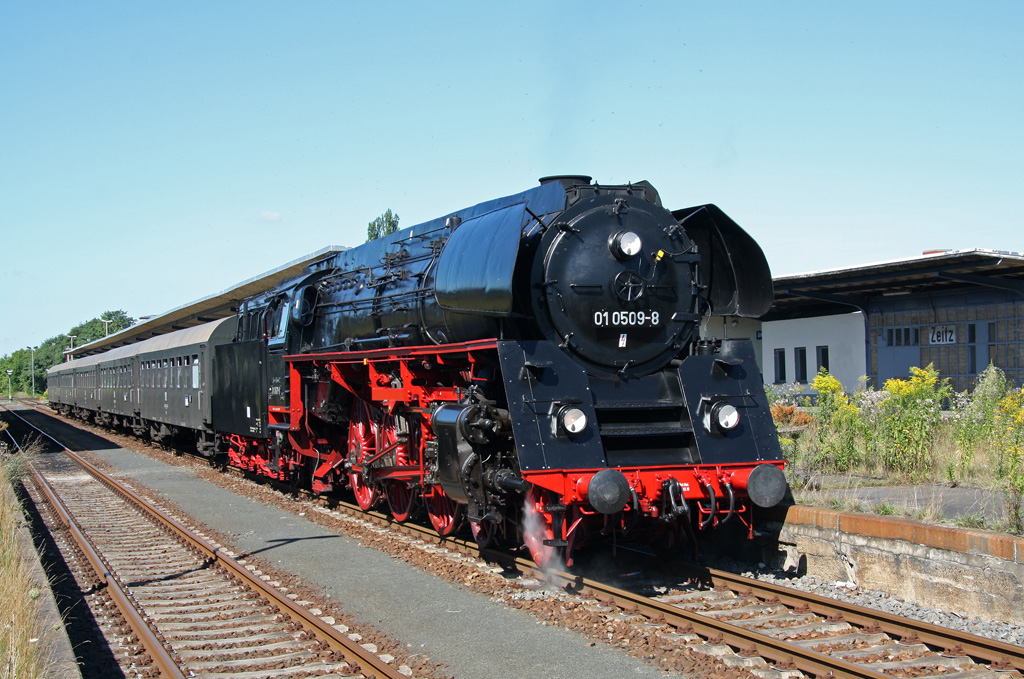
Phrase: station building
(956,309)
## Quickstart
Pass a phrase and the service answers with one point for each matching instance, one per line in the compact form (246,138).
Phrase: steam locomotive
(533,364)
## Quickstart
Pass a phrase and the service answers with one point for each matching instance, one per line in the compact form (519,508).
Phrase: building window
(972,349)
(780,366)
(800,364)
(903,337)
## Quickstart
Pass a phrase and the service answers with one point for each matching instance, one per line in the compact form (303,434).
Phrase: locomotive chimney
(568,180)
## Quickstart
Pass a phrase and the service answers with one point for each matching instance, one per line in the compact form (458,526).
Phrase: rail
(372,664)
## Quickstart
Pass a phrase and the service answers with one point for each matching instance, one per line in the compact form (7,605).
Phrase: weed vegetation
(23,639)
(915,430)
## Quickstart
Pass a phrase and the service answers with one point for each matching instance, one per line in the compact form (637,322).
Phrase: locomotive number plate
(603,319)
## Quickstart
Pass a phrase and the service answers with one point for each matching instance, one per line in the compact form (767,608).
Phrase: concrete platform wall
(972,573)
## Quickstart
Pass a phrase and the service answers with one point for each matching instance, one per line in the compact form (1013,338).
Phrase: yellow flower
(824,383)
(897,387)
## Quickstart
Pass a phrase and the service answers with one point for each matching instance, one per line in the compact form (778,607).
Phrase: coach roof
(172,340)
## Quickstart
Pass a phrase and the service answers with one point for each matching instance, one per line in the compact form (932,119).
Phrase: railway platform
(964,506)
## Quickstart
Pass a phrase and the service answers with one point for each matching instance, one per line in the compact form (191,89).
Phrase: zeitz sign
(942,334)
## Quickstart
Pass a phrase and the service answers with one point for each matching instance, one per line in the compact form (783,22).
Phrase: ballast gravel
(849,592)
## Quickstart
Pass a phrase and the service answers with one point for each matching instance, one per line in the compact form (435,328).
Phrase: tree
(382,226)
(94,329)
(51,351)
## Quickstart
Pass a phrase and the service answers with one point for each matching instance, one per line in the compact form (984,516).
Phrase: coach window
(195,371)
(780,366)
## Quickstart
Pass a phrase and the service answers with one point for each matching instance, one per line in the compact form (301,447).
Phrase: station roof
(820,293)
(210,308)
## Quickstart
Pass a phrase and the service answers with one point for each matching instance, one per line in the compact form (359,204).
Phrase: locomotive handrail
(393,352)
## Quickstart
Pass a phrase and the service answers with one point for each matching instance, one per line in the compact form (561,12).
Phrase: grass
(885,509)
(23,639)
(976,520)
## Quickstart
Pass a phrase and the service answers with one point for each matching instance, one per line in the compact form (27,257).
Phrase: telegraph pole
(33,370)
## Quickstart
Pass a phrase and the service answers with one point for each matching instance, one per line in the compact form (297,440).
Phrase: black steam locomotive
(533,364)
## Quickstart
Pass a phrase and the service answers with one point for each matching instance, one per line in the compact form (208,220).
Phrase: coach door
(277,371)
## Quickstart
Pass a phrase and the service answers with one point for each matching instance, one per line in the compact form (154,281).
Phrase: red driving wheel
(362,445)
(445,513)
(401,496)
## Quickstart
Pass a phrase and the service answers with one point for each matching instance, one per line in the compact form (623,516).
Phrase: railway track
(197,611)
(773,631)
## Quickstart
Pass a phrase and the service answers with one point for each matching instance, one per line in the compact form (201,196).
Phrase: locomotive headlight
(725,416)
(626,244)
(572,420)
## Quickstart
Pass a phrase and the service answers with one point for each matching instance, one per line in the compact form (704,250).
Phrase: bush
(784,394)
(788,416)
(836,428)
(974,421)
(911,416)
(899,430)
(1009,435)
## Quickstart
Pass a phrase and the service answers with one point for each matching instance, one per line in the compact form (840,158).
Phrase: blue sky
(163,152)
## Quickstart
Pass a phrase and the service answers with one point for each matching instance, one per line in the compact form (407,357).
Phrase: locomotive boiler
(533,364)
